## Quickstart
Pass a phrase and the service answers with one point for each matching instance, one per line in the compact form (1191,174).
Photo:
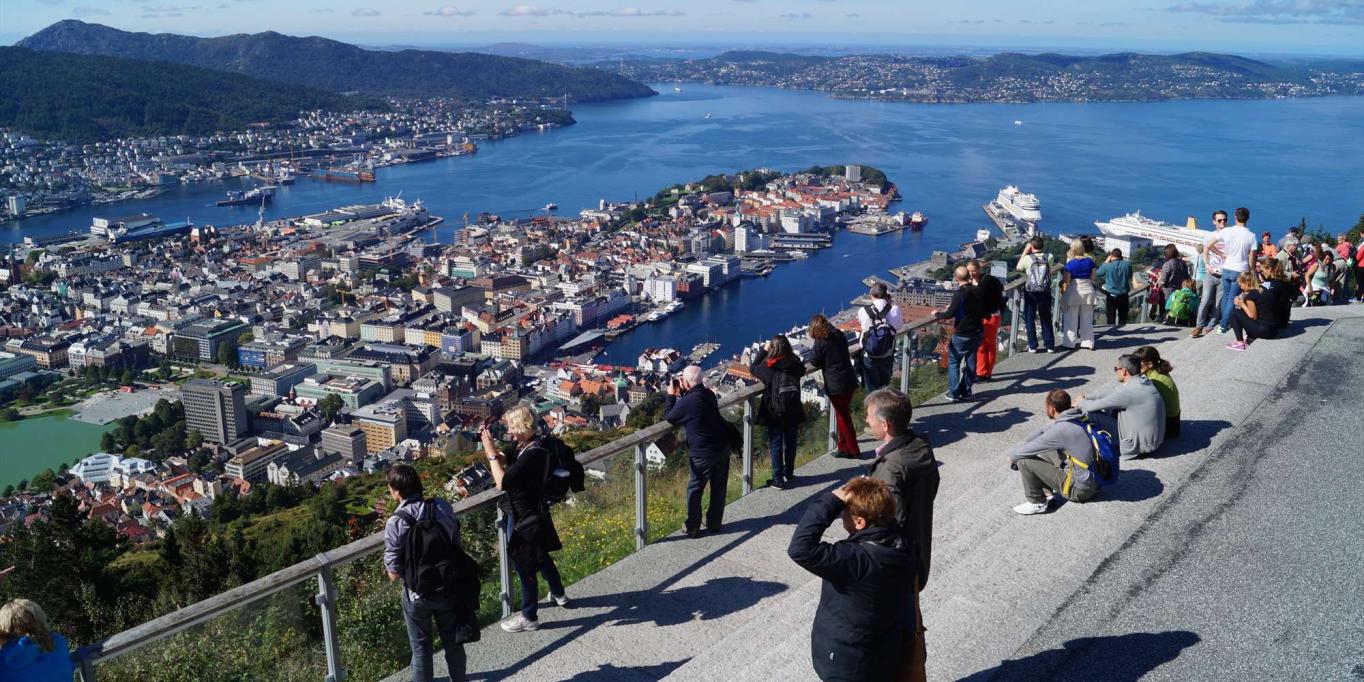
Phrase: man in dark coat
(865,611)
(966,314)
(992,307)
(693,407)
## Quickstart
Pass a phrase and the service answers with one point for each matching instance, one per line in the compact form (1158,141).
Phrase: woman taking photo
(780,410)
(831,355)
(1077,298)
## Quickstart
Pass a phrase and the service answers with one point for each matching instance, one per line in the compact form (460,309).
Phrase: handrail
(320,566)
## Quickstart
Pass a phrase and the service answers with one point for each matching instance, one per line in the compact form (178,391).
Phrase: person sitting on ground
(829,354)
(1255,316)
(865,614)
(1139,407)
(1182,306)
(694,407)
(29,649)
(779,369)
(1282,293)
(905,461)
(1321,277)
(1158,370)
(1043,459)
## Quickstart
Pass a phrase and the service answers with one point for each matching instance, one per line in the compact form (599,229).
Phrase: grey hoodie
(1141,414)
(1066,434)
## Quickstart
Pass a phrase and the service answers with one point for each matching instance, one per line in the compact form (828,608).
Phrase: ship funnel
(1192,224)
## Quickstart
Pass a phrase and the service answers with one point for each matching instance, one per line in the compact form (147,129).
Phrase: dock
(1015,231)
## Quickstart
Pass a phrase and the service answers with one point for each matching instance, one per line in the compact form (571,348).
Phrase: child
(1181,305)
(28,650)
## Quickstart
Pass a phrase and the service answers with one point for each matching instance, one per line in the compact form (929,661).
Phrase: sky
(1323,27)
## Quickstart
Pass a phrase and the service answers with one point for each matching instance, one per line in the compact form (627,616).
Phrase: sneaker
(776,483)
(519,623)
(1035,350)
(1237,345)
(561,600)
(1222,331)
(1049,350)
(950,398)
(1030,508)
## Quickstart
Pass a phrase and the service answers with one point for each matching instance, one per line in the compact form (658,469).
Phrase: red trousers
(989,347)
(847,431)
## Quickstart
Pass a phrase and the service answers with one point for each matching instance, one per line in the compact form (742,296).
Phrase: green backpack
(1181,304)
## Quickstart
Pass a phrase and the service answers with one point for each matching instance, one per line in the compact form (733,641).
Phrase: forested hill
(82,97)
(341,67)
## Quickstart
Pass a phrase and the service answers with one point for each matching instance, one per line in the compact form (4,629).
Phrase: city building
(280,380)
(216,409)
(16,363)
(384,424)
(345,439)
(199,341)
(253,464)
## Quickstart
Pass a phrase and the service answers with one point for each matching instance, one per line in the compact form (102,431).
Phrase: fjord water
(1284,159)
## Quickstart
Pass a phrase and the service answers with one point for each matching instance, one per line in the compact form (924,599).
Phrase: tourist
(1267,247)
(423,603)
(1344,249)
(992,301)
(1282,292)
(830,355)
(1236,245)
(1043,459)
(531,535)
(1290,259)
(1181,305)
(879,321)
(865,615)
(905,462)
(1359,272)
(1173,271)
(1158,370)
(1294,233)
(1077,299)
(780,409)
(1036,266)
(694,407)
(1115,281)
(29,650)
(1255,315)
(965,312)
(1321,277)
(1208,271)
(1139,407)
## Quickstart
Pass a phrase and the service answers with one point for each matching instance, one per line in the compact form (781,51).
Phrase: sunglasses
(1219,220)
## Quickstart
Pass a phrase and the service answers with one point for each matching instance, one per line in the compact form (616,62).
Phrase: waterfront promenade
(1231,554)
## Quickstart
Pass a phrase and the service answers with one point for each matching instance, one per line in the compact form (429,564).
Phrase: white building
(102,466)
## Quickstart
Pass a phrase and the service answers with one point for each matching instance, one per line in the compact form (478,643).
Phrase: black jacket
(908,466)
(831,355)
(866,607)
(533,532)
(967,310)
(991,294)
(698,413)
(789,365)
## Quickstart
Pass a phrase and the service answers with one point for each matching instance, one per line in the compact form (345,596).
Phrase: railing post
(1016,303)
(1056,305)
(906,349)
(503,563)
(87,669)
(1141,302)
(326,601)
(748,446)
(641,499)
(832,442)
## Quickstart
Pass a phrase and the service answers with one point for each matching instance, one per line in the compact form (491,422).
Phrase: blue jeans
(418,615)
(530,587)
(1037,304)
(1230,290)
(712,471)
(782,447)
(962,347)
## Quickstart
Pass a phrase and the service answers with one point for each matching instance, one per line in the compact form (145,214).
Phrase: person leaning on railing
(780,409)
(830,355)
(992,304)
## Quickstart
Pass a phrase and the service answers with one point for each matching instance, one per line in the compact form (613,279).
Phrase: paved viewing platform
(1232,553)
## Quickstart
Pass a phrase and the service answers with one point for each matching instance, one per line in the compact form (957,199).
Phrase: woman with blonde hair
(1077,298)
(29,650)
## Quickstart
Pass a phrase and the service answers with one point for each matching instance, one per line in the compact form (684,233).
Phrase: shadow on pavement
(1133,485)
(950,427)
(1114,658)
(1297,328)
(716,598)
(1195,435)
(644,672)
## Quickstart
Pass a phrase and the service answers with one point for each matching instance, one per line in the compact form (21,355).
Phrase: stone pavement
(1003,587)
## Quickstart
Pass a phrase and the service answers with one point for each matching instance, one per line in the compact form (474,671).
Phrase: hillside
(341,67)
(81,97)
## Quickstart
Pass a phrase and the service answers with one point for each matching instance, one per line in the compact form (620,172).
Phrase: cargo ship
(342,175)
(253,196)
(917,221)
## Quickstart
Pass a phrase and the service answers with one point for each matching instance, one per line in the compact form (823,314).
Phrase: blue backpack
(1105,454)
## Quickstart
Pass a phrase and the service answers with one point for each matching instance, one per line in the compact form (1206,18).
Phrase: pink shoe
(1236,345)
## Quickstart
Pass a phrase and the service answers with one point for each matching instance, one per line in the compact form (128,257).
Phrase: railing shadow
(1112,658)
(1195,435)
(1133,485)
(609,672)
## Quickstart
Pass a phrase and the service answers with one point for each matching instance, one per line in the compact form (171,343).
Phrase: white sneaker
(561,600)
(519,623)
(1026,509)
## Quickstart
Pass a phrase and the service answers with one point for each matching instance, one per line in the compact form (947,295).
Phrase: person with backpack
(992,303)
(879,321)
(1139,407)
(829,354)
(1059,457)
(1035,264)
(1173,271)
(1115,280)
(531,535)
(693,407)
(1181,305)
(29,650)
(422,548)
(966,313)
(779,369)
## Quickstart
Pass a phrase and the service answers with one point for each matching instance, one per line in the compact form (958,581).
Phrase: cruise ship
(1021,206)
(1189,240)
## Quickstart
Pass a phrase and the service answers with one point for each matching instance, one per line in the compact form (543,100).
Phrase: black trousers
(1246,327)
(1117,303)
(715,473)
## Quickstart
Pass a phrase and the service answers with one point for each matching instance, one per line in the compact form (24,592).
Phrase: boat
(917,221)
(1189,239)
(677,89)
(551,206)
(1022,206)
(1018,122)
(707,114)
(255,195)
(343,175)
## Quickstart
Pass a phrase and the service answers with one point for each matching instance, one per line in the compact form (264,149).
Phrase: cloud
(627,12)
(365,12)
(84,11)
(448,11)
(1277,11)
(852,15)
(530,11)
(165,11)
(322,10)
(796,15)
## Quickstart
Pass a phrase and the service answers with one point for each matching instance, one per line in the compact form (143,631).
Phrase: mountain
(82,97)
(341,67)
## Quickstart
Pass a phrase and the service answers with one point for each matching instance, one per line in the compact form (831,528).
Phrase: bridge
(1232,553)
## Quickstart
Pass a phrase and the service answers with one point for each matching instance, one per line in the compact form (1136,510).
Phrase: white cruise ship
(1189,240)
(1022,206)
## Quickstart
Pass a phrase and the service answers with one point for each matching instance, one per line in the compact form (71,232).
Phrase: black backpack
(435,567)
(784,395)
(563,472)
(879,341)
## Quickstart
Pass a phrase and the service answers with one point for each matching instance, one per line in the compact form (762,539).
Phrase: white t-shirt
(888,310)
(1214,262)
(1237,243)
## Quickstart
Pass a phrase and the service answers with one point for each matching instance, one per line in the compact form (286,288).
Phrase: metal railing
(322,567)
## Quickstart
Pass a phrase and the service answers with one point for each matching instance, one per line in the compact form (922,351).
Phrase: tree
(194,440)
(329,405)
(126,378)
(9,490)
(245,338)
(227,354)
(133,451)
(43,481)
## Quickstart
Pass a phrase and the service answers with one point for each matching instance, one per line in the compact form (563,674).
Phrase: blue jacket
(698,413)
(22,660)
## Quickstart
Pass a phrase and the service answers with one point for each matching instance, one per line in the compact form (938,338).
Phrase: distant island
(340,67)
(92,98)
(1011,77)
